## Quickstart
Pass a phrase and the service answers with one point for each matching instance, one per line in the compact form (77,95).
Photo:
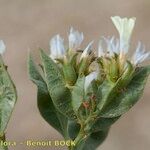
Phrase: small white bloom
(111,44)
(140,55)
(2,47)
(75,39)
(125,27)
(87,50)
(57,49)
(101,52)
(89,78)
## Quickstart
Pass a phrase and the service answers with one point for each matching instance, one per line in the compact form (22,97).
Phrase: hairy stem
(79,140)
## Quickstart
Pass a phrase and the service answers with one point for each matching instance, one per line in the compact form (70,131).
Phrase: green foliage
(45,104)
(73,129)
(69,74)
(85,116)
(95,139)
(78,94)
(8,97)
(103,124)
(127,97)
(60,94)
(107,91)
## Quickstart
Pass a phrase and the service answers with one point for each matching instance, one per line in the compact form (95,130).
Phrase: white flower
(111,44)
(57,49)
(101,51)
(140,55)
(125,27)
(89,78)
(75,39)
(87,50)
(2,47)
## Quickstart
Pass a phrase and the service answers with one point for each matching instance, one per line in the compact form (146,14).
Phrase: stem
(79,139)
(82,135)
(2,140)
(84,131)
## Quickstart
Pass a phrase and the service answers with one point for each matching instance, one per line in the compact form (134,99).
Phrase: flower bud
(75,39)
(113,70)
(69,74)
(83,67)
(127,75)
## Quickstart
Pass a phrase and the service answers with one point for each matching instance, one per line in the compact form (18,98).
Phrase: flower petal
(125,27)
(87,50)
(89,78)
(2,47)
(110,44)
(57,47)
(140,55)
(75,39)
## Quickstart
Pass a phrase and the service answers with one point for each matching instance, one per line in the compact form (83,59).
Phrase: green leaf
(127,98)
(69,74)
(92,88)
(95,139)
(127,75)
(45,104)
(92,141)
(73,129)
(60,94)
(64,124)
(8,97)
(78,94)
(82,67)
(103,124)
(106,92)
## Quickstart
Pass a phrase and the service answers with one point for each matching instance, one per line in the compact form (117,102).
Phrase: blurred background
(28,24)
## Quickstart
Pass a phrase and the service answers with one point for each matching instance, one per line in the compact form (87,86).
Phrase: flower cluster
(72,65)
(75,39)
(111,54)
(90,89)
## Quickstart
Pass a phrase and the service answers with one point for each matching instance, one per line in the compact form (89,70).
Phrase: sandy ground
(28,24)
